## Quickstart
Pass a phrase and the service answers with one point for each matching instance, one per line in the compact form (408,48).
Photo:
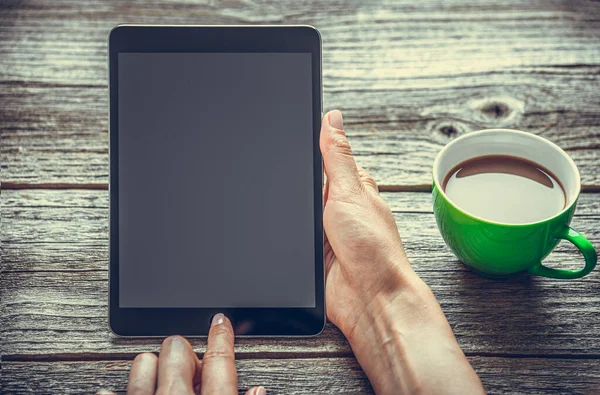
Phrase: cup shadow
(501,316)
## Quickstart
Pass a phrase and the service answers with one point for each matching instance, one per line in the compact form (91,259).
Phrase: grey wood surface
(55,254)
(409,76)
(309,375)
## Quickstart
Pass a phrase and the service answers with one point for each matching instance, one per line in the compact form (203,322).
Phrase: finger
(367,180)
(197,375)
(337,155)
(176,367)
(105,392)
(257,391)
(142,376)
(218,365)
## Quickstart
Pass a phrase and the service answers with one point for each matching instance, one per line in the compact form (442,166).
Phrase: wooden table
(409,76)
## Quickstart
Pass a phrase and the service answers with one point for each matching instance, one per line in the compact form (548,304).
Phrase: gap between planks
(104,186)
(82,357)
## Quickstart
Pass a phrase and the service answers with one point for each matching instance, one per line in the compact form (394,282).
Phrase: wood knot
(444,130)
(499,111)
(449,130)
(495,109)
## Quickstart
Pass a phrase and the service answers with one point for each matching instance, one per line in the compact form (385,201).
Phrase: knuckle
(369,182)
(222,331)
(339,141)
(381,206)
(217,354)
(367,178)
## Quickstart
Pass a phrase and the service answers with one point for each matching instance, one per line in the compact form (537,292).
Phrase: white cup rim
(556,148)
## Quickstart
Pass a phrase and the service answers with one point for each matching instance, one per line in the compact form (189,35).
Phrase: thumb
(340,166)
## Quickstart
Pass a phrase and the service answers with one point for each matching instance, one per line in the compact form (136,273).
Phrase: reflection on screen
(215,180)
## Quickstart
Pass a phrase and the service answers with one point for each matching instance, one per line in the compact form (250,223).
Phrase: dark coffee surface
(503,188)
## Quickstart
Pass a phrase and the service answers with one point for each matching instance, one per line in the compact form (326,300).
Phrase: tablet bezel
(195,321)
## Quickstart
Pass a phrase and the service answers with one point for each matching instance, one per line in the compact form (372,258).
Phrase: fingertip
(166,341)
(145,357)
(336,119)
(338,159)
(218,319)
(220,324)
(327,128)
(178,340)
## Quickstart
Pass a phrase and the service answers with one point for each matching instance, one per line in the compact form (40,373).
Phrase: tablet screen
(215,180)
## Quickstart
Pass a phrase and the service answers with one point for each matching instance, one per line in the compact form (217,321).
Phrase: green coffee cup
(496,249)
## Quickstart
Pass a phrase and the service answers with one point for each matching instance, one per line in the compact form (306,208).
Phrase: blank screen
(215,180)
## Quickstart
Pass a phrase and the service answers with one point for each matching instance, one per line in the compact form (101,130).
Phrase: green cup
(495,249)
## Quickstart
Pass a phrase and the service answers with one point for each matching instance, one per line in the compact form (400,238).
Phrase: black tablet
(215,180)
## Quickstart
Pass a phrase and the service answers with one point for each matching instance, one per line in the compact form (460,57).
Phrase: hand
(392,320)
(177,370)
(364,256)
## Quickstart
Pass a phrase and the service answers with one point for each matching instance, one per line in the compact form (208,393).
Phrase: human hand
(177,370)
(391,318)
(364,256)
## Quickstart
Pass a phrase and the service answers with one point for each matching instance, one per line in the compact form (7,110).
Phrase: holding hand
(364,256)
(391,318)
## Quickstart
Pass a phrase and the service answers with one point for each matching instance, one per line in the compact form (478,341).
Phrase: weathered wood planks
(54,288)
(409,79)
(310,375)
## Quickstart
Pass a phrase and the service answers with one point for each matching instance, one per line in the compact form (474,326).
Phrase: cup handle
(586,248)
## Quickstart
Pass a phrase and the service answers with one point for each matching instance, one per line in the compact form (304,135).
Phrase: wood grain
(311,375)
(320,375)
(64,43)
(54,287)
(409,77)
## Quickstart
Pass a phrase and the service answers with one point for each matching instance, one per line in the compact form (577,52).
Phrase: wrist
(399,288)
(382,335)
(404,343)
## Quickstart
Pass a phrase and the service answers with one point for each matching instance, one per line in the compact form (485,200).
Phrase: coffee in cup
(503,199)
(506,189)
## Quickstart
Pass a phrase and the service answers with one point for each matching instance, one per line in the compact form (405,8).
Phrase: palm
(339,295)
(347,225)
(363,232)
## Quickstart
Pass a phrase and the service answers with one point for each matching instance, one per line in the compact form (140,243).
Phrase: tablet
(215,180)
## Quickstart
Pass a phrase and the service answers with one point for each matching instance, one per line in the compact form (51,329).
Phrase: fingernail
(261,391)
(177,345)
(336,120)
(218,319)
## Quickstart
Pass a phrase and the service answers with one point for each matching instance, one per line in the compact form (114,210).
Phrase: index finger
(218,365)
